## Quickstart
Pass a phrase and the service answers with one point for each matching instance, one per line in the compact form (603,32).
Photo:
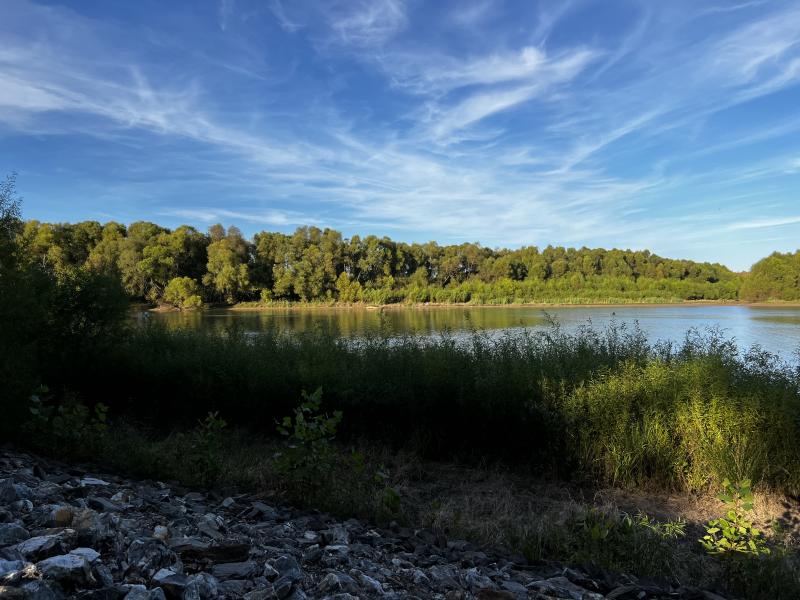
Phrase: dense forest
(186,268)
(776,277)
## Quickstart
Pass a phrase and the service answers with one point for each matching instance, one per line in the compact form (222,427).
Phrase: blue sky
(673,126)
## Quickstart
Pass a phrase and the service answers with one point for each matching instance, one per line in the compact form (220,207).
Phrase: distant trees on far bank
(184,266)
(776,277)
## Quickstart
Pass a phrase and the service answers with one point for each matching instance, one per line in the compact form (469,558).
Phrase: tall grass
(600,404)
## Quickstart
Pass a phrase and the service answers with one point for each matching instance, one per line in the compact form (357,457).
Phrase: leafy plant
(666,529)
(308,458)
(205,447)
(69,425)
(734,532)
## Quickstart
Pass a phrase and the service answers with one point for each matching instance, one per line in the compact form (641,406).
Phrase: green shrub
(205,445)
(67,426)
(308,458)
(733,532)
(183,293)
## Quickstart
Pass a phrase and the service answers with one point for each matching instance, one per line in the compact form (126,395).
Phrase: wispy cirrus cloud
(366,22)
(505,126)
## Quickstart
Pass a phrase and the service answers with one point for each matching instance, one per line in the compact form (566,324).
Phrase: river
(774,328)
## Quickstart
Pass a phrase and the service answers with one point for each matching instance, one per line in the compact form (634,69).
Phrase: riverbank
(485,528)
(245,306)
(312,306)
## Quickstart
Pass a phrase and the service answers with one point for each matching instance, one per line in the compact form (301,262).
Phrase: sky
(672,126)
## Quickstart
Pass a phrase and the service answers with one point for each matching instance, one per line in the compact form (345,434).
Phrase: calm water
(774,328)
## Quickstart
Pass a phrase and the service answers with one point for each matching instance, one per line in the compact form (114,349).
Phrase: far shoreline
(301,306)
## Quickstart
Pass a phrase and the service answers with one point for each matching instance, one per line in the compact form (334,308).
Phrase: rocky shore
(67,532)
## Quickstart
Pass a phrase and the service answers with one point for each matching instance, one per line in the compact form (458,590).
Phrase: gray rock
(8,493)
(561,587)
(372,586)
(282,587)
(234,588)
(171,582)
(515,588)
(252,553)
(40,590)
(92,482)
(287,566)
(264,511)
(237,570)
(337,582)
(102,574)
(89,554)
(10,566)
(201,587)
(148,555)
(66,567)
(12,533)
(11,593)
(41,546)
(476,581)
(101,504)
(139,592)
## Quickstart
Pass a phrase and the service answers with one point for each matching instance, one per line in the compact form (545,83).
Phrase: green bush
(67,426)
(183,293)
(687,422)
(733,532)
(308,458)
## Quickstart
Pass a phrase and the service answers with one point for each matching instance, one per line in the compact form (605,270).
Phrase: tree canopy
(321,265)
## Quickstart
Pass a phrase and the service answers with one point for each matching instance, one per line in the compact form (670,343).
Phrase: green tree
(776,277)
(183,293)
(227,268)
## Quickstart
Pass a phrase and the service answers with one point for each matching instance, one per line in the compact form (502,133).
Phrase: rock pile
(65,533)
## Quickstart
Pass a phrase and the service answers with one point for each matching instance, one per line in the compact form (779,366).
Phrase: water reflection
(774,328)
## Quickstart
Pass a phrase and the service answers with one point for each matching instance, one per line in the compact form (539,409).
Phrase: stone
(337,582)
(266,512)
(236,570)
(475,580)
(233,588)
(89,554)
(40,590)
(66,567)
(101,504)
(139,592)
(11,593)
(171,582)
(40,547)
(561,587)
(93,481)
(8,493)
(248,550)
(283,587)
(10,566)
(148,555)
(372,586)
(201,586)
(12,533)
(61,516)
(492,594)
(515,588)
(287,566)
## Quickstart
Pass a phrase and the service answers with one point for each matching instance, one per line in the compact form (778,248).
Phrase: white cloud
(565,178)
(764,223)
(366,22)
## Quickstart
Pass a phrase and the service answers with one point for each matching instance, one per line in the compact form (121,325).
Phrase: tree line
(776,277)
(185,267)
